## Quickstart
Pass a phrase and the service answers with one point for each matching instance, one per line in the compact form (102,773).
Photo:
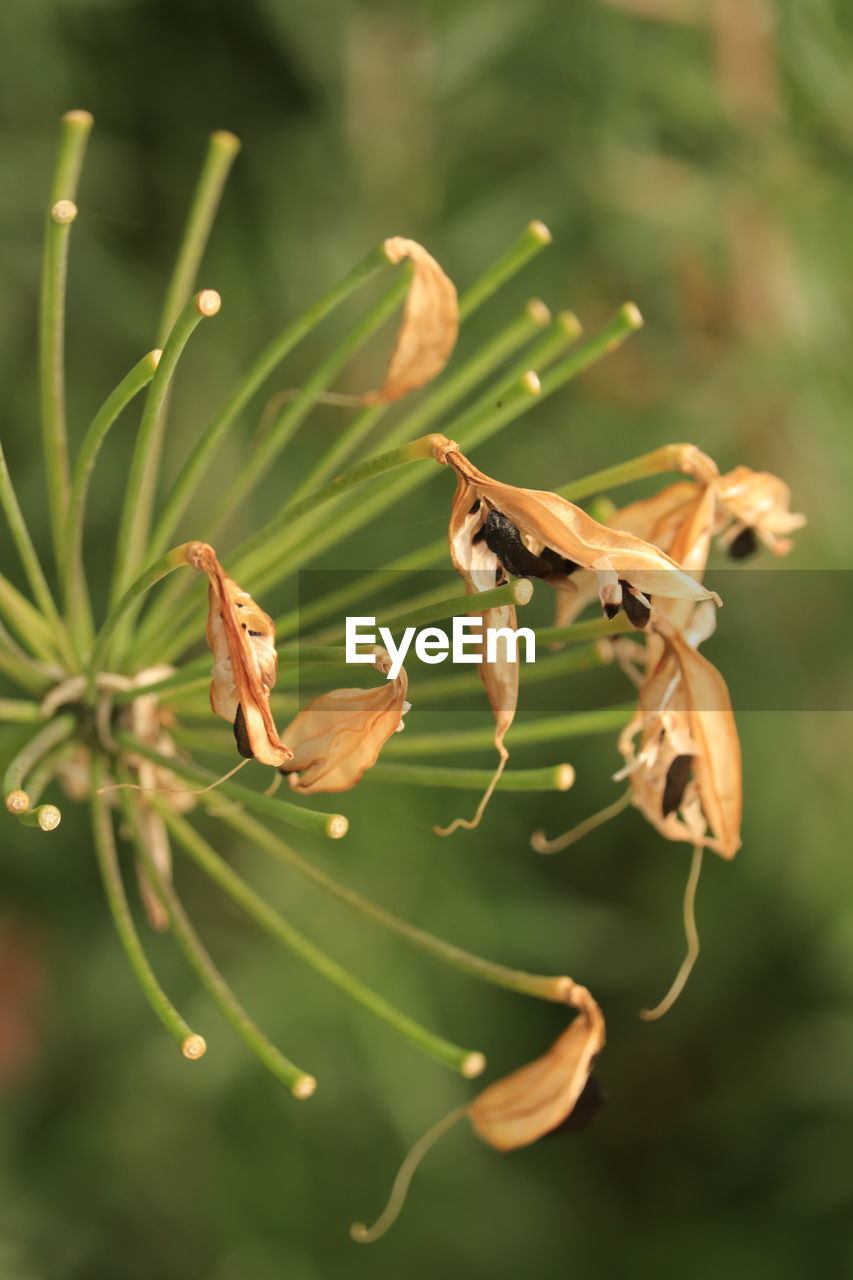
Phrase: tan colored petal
(340,734)
(760,501)
(532,1101)
(430,325)
(242,640)
(688,761)
(547,521)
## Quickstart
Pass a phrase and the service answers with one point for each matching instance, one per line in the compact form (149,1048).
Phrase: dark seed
(256,633)
(636,612)
(677,778)
(479,535)
(745,544)
(611,610)
(562,566)
(504,540)
(476,507)
(241,734)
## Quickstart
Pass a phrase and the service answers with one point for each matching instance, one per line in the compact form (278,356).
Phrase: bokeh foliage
(693,155)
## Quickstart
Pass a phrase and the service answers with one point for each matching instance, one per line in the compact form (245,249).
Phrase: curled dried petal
(534,1100)
(430,325)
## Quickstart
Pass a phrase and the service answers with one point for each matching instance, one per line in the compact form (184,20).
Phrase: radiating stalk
(21,668)
(266,363)
(174,559)
(29,625)
(551,729)
(18,711)
(667,458)
(39,745)
(222,151)
(333,825)
(463,1060)
(132,537)
(556,777)
(532,240)
(543,669)
(71,565)
(529,984)
(30,561)
(74,133)
(449,391)
(290,418)
(192,1045)
(294,1079)
(593,629)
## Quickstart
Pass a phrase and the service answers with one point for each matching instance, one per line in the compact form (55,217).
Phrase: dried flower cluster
(114,704)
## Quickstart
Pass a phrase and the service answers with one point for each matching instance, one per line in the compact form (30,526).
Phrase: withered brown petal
(430,325)
(534,1100)
(242,640)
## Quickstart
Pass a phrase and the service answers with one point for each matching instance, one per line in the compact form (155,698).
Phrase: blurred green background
(691,155)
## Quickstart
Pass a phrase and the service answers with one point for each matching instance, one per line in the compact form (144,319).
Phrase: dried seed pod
(242,640)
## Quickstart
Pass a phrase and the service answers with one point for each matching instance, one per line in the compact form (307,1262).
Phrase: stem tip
(49,817)
(538,311)
(337,826)
(570,324)
(564,777)
(17,802)
(522,590)
(530,383)
(540,232)
(473,1065)
(227,140)
(194,1047)
(154,357)
(79,117)
(63,211)
(304,1087)
(633,315)
(208,302)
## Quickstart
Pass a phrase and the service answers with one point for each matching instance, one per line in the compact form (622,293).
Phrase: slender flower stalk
(667,458)
(192,1045)
(72,570)
(54,732)
(73,137)
(142,477)
(31,627)
(555,777)
(294,1079)
(222,150)
(17,710)
(469,1063)
(499,975)
(577,724)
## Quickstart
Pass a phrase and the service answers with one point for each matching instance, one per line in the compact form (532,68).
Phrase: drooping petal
(532,1101)
(430,325)
(340,734)
(759,501)
(242,640)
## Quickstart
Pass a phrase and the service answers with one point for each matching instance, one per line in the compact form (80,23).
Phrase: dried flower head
(755,506)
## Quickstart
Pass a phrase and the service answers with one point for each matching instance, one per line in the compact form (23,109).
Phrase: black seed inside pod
(636,612)
(241,734)
(677,778)
(744,545)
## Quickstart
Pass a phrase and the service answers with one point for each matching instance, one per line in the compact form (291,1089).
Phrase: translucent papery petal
(430,325)
(340,734)
(761,501)
(532,1101)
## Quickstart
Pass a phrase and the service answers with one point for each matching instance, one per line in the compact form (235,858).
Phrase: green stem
(22,669)
(265,364)
(29,559)
(575,725)
(167,563)
(142,477)
(529,984)
(532,240)
(533,673)
(19,711)
(593,629)
(667,458)
(449,392)
(626,321)
(221,152)
(462,1060)
(74,133)
(333,825)
(518,591)
(38,746)
(297,1081)
(71,565)
(557,777)
(192,1045)
(287,422)
(30,626)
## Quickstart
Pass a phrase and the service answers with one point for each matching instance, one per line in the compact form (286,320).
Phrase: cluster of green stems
(76,673)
